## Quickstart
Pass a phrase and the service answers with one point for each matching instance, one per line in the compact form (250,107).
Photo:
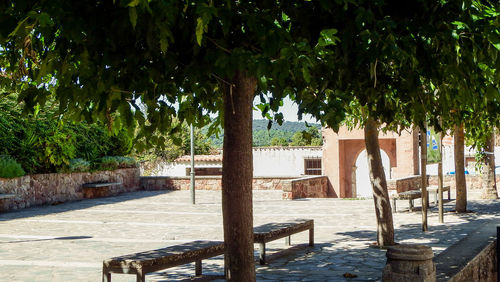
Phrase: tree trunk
(489,185)
(237,177)
(423,174)
(461,203)
(385,227)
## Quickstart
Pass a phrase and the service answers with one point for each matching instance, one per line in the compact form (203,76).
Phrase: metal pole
(440,179)
(423,172)
(193,201)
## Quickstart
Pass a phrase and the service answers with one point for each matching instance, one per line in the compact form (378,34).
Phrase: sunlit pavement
(68,242)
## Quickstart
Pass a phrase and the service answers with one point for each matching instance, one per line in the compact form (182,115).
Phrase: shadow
(46,209)
(49,239)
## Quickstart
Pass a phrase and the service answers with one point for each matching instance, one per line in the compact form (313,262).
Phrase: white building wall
(179,168)
(282,161)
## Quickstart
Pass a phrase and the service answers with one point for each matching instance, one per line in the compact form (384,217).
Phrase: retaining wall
(53,188)
(306,187)
(207,183)
(482,268)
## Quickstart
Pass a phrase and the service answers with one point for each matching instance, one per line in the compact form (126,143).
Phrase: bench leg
(141,276)
(436,197)
(411,204)
(106,277)
(449,195)
(262,253)
(394,205)
(311,237)
(288,240)
(197,267)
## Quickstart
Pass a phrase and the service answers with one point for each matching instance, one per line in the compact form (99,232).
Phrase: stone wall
(480,268)
(53,188)
(474,183)
(306,187)
(207,183)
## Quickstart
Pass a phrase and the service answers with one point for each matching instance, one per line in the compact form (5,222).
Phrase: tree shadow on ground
(42,210)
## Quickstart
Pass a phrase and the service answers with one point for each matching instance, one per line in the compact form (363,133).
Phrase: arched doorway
(363,186)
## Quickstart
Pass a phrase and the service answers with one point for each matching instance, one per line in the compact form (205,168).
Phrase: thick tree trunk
(385,227)
(461,203)
(237,177)
(489,185)
(423,174)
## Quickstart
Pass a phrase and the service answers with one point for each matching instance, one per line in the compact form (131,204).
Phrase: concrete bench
(97,189)
(273,231)
(7,196)
(150,261)
(407,195)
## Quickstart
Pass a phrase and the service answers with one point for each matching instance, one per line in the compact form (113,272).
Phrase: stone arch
(349,150)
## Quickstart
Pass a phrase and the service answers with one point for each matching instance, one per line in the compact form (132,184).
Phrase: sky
(289,111)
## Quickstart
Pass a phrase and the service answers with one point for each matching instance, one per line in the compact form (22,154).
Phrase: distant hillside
(263,137)
(288,126)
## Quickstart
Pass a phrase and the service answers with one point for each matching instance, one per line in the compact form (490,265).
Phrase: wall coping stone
(214,177)
(455,258)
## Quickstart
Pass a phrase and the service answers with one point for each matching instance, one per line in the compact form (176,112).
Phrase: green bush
(108,163)
(126,162)
(78,165)
(115,162)
(44,142)
(9,168)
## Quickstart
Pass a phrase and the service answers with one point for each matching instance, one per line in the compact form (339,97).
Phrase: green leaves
(327,37)
(132,13)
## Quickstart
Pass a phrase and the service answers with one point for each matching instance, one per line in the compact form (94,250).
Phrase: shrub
(78,165)
(126,162)
(108,163)
(9,168)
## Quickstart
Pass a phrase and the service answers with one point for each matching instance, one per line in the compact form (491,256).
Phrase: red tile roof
(200,158)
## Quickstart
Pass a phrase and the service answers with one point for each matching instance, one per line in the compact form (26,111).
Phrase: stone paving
(68,242)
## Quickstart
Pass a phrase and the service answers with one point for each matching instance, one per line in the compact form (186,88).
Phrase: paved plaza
(68,242)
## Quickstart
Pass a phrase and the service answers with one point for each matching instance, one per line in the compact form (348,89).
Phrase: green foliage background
(43,142)
(288,134)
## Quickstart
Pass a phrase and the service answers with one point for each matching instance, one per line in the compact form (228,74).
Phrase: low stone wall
(480,268)
(52,188)
(474,183)
(306,187)
(207,183)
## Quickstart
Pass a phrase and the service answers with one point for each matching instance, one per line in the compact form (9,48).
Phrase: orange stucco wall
(340,151)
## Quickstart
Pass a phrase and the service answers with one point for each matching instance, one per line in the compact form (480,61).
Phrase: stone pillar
(408,262)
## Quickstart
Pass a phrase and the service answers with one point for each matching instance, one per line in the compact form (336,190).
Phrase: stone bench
(150,261)
(407,195)
(3,198)
(7,196)
(434,189)
(97,189)
(273,231)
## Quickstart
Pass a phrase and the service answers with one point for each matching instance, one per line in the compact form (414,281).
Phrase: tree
(106,60)
(279,141)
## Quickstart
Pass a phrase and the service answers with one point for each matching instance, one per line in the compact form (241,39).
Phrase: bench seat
(97,189)
(407,195)
(154,260)
(7,196)
(273,231)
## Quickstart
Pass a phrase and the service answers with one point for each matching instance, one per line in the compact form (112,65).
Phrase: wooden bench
(97,189)
(407,195)
(434,189)
(273,231)
(145,262)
